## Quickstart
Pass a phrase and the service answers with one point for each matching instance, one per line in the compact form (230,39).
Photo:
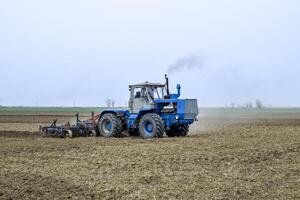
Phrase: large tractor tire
(151,125)
(110,125)
(178,131)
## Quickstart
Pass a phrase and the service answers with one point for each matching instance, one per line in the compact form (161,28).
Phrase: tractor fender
(119,113)
(143,112)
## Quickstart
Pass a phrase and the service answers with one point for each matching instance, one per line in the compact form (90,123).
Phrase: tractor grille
(191,109)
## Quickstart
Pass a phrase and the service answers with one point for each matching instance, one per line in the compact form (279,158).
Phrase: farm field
(229,154)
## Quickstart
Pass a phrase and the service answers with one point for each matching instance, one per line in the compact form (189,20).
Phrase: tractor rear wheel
(151,125)
(178,131)
(110,125)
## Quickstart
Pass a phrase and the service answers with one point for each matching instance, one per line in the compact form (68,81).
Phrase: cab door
(139,100)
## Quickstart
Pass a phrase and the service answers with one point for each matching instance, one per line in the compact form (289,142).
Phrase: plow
(86,128)
(152,112)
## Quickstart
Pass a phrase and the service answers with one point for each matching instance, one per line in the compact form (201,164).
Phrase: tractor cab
(142,95)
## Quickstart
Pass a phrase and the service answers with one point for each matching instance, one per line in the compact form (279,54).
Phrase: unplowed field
(231,155)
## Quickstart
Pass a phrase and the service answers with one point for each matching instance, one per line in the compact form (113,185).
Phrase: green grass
(50,109)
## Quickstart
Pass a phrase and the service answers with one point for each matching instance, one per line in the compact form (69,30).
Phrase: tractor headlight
(176,117)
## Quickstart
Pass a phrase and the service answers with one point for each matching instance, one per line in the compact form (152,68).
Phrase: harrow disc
(68,134)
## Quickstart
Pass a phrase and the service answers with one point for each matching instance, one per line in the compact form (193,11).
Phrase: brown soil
(223,158)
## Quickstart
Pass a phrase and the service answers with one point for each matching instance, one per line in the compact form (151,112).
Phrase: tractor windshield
(158,92)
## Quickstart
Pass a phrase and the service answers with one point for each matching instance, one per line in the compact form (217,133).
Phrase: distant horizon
(265,107)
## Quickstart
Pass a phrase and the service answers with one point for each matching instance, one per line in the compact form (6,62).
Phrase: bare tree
(258,103)
(110,102)
(249,105)
(113,103)
(232,104)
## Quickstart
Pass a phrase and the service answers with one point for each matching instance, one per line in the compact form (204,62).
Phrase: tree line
(256,104)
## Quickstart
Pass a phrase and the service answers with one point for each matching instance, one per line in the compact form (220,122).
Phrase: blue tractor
(152,112)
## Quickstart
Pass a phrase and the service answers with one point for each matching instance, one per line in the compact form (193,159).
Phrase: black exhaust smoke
(187,62)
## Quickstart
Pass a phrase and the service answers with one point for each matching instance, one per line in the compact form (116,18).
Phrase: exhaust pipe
(178,90)
(167,85)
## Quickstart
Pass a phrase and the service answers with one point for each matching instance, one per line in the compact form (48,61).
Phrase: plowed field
(228,155)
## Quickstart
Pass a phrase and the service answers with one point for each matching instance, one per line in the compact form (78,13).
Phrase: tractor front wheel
(151,125)
(110,125)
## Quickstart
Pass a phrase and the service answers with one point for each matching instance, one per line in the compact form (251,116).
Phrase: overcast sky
(61,52)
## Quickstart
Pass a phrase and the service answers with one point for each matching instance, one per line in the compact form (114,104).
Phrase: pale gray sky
(53,52)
